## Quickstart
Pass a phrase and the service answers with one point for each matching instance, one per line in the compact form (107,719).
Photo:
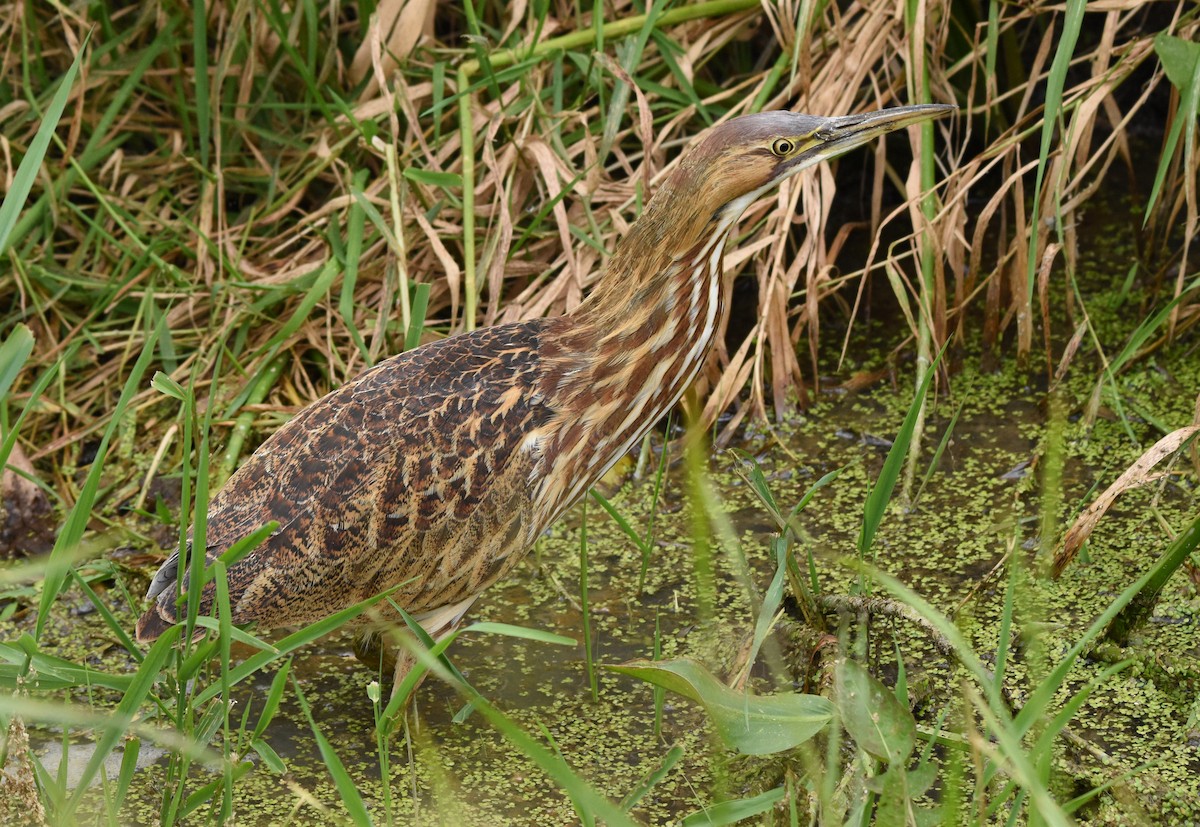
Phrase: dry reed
(216,190)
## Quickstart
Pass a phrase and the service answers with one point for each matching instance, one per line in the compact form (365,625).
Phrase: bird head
(743,158)
(718,178)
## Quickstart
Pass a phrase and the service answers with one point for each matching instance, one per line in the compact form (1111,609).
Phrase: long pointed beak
(838,135)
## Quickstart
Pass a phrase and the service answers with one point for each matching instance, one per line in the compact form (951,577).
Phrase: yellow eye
(782,147)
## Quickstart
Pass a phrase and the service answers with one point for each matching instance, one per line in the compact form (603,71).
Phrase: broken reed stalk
(507,57)
(138,223)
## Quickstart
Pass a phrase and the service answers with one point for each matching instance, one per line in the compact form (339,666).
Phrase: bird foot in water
(373,651)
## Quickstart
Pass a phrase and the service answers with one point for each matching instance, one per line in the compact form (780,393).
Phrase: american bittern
(438,468)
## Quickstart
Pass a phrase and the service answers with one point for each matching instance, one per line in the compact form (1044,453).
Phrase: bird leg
(439,624)
(396,656)
(371,651)
(405,660)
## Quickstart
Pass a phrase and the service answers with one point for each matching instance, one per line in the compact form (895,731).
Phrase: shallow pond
(986,498)
(980,502)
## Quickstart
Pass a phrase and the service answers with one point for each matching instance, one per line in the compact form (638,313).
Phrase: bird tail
(162,614)
(152,624)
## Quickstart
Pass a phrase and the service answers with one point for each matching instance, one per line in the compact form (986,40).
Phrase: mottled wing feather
(415,471)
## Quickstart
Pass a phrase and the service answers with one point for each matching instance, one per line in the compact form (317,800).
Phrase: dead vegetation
(278,186)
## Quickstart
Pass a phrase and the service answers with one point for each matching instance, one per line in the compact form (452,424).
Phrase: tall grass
(265,187)
(259,200)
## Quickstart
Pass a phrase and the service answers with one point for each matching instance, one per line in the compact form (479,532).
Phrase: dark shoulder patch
(360,476)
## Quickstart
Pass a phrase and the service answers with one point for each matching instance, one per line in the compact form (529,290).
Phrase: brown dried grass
(136,226)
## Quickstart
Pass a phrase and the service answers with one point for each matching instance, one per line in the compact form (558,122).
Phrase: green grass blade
(77,520)
(262,385)
(992,44)
(129,757)
(1147,327)
(623,524)
(1181,62)
(750,471)
(35,393)
(1052,109)
(139,688)
(667,49)
(204,795)
(274,697)
(937,454)
(1140,606)
(1036,705)
(269,756)
(1042,806)
(585,610)
(420,307)
(812,492)
(371,212)
(240,635)
(436,649)
(941,623)
(656,775)
(587,800)
(195,562)
(13,355)
(1004,636)
(318,290)
(731,812)
(27,171)
(292,642)
(200,76)
(1045,741)
(630,54)
(433,178)
(110,620)
(881,492)
(23,664)
(347,790)
(508,630)
(771,600)
(751,724)
(355,225)
(1076,803)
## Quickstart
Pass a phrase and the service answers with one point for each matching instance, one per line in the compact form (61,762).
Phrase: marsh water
(983,504)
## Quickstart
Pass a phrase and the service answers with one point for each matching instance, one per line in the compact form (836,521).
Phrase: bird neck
(662,276)
(653,313)
(615,365)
